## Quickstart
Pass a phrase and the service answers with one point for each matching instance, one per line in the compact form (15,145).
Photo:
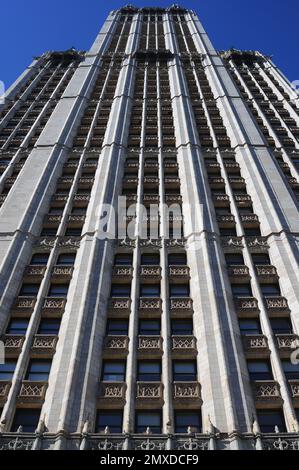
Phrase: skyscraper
(156,340)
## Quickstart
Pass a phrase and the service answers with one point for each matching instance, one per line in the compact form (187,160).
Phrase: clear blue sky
(30,27)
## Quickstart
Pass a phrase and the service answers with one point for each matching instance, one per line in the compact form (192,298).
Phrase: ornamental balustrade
(181,304)
(4,389)
(238,270)
(150,303)
(294,387)
(13,342)
(184,342)
(289,341)
(122,271)
(24,303)
(149,343)
(33,270)
(16,443)
(277,303)
(247,304)
(62,271)
(54,304)
(253,342)
(116,342)
(31,390)
(266,271)
(232,242)
(81,198)
(44,342)
(150,271)
(186,390)
(76,218)
(278,443)
(178,271)
(113,390)
(120,304)
(257,242)
(149,390)
(226,219)
(266,390)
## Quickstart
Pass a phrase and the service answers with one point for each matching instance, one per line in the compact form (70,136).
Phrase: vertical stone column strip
(74,388)
(220,368)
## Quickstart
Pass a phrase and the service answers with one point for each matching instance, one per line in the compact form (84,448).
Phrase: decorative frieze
(267,391)
(32,391)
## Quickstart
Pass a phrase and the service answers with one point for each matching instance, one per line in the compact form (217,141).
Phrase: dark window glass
(7,370)
(38,370)
(56,210)
(182,327)
(260,370)
(270,290)
(39,258)
(117,327)
(179,290)
(260,258)
(268,419)
(150,259)
(123,259)
(114,371)
(149,327)
(148,419)
(250,326)
(177,259)
(234,259)
(242,290)
(27,418)
(17,326)
(66,258)
(186,419)
(149,371)
(49,326)
(281,326)
(48,232)
(30,290)
(184,371)
(73,232)
(58,290)
(120,290)
(252,232)
(228,232)
(291,370)
(149,290)
(79,210)
(112,419)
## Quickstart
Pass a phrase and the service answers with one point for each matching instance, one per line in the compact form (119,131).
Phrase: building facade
(150,342)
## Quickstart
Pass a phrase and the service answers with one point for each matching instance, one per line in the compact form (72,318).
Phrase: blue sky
(30,27)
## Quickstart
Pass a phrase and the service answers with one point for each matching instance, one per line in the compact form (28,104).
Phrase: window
(123,259)
(49,326)
(291,370)
(149,290)
(7,370)
(242,290)
(79,210)
(181,327)
(268,419)
(39,258)
(281,326)
(112,419)
(114,371)
(56,210)
(120,290)
(17,326)
(252,232)
(228,232)
(149,371)
(117,327)
(185,419)
(148,419)
(150,259)
(260,370)
(58,290)
(250,326)
(260,259)
(73,232)
(38,370)
(177,259)
(27,418)
(30,290)
(149,327)
(184,371)
(270,290)
(179,290)
(48,232)
(234,259)
(66,258)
